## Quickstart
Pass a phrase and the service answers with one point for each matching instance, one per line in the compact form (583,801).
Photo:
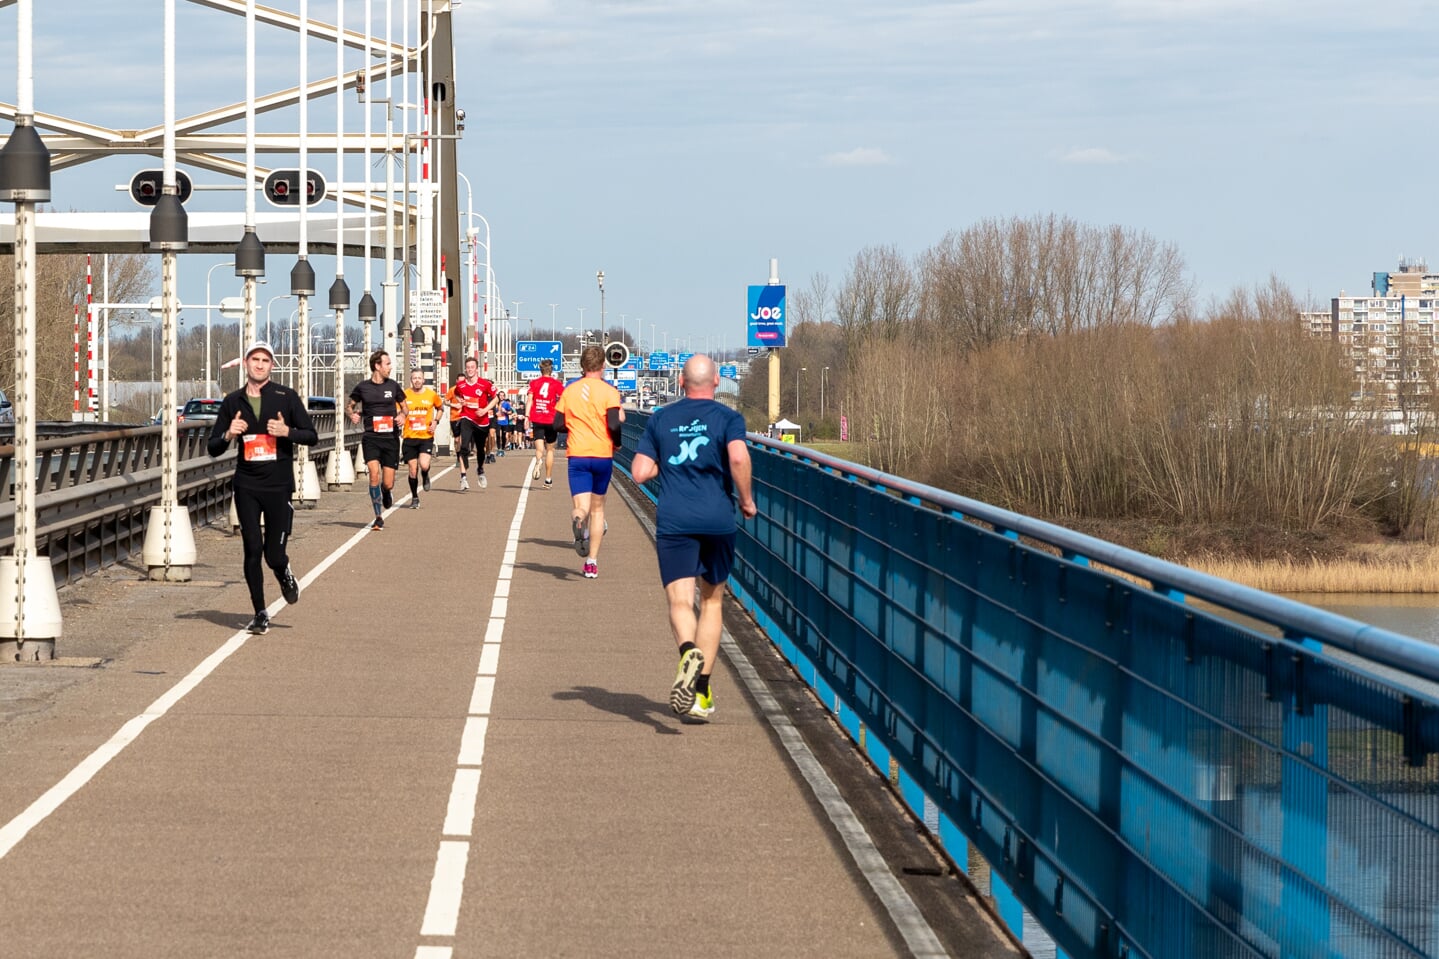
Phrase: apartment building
(1387,334)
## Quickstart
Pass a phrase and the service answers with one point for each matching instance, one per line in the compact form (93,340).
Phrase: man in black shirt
(380,402)
(268,420)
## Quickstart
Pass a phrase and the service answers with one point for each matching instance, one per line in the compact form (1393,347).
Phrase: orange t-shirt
(584,403)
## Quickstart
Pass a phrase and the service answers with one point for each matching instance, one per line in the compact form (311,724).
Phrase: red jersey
(544,393)
(474,397)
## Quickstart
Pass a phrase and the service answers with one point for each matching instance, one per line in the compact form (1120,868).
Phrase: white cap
(260,345)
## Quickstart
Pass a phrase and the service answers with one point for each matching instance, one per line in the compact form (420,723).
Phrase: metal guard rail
(93,491)
(1145,777)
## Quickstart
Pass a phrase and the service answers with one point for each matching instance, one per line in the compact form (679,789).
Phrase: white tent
(785,426)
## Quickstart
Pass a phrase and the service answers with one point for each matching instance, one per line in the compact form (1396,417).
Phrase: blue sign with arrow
(528,354)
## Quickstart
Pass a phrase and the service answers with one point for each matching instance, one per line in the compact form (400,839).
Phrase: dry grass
(1370,569)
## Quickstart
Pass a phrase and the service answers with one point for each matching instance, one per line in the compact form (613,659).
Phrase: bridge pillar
(169,550)
(41,610)
(339,471)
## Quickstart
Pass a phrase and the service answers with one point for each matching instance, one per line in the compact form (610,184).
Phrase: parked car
(7,412)
(200,410)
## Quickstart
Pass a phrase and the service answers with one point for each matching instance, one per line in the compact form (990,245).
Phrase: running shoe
(682,694)
(289,586)
(386,500)
(378,524)
(260,625)
(426,484)
(484,483)
(415,503)
(592,569)
(703,708)
(464,483)
(581,529)
(549,484)
(535,473)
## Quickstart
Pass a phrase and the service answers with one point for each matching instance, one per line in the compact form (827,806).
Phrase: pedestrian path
(453,745)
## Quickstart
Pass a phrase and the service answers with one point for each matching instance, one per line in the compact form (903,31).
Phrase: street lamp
(517,317)
(823,374)
(552,320)
(208,301)
(268,308)
(600,279)
(796,391)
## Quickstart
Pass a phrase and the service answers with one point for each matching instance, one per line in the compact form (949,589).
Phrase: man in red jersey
(477,398)
(544,391)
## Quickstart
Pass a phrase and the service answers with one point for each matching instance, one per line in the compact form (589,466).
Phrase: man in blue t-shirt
(697,448)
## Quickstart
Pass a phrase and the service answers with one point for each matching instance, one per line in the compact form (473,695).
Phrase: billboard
(766,316)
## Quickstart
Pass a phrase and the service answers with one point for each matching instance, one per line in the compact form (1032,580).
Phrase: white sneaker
(484,483)
(464,483)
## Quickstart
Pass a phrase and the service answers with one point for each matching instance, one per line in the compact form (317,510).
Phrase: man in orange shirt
(417,441)
(590,411)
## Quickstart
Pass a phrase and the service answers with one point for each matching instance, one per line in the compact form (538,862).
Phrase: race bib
(419,422)
(259,448)
(382,424)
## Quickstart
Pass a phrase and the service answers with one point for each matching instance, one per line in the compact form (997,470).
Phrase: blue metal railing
(1145,776)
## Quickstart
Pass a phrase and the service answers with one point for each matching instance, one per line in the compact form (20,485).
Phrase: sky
(679,146)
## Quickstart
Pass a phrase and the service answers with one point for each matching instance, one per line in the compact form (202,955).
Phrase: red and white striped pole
(92,407)
(75,414)
(444,317)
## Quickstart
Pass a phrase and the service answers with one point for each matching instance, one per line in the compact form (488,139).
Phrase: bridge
(1143,760)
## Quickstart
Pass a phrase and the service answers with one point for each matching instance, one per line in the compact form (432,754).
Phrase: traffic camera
(617,354)
(147,186)
(282,187)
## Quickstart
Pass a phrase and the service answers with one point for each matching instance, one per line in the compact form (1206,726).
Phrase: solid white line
(483,696)
(472,742)
(442,912)
(460,815)
(910,922)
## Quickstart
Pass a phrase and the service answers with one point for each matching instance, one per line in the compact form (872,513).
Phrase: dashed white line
(442,913)
(460,815)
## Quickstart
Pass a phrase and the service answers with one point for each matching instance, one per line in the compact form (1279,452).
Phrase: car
(7,411)
(200,410)
(321,404)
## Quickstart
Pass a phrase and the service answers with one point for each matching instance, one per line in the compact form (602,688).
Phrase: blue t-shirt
(689,440)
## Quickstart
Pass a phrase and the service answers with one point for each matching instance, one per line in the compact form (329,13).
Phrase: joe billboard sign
(766,316)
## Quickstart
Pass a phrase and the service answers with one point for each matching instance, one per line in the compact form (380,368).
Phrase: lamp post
(796,391)
(517,317)
(208,301)
(268,309)
(552,319)
(600,279)
(823,375)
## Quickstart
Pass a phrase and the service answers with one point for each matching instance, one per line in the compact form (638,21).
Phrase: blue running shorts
(590,474)
(709,556)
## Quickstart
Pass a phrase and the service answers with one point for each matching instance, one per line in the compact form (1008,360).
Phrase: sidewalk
(454,741)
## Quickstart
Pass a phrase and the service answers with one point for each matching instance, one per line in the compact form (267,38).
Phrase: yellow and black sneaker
(682,694)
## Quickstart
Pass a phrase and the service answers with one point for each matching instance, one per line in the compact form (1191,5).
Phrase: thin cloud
(1095,156)
(859,156)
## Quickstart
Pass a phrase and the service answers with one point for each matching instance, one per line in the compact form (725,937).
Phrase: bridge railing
(1153,761)
(94,490)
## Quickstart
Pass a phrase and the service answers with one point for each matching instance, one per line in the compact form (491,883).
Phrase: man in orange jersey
(590,411)
(422,413)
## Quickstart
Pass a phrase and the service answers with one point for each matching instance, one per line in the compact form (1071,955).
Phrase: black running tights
(268,545)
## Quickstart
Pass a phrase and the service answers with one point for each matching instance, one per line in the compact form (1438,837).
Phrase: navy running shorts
(709,556)
(590,474)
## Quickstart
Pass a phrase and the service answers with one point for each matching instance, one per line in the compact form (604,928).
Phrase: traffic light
(147,185)
(282,188)
(617,354)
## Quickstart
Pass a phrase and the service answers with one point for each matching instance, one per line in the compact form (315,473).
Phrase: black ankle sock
(702,685)
(686,647)
(425,475)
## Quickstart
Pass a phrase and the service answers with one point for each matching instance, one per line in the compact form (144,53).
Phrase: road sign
(659,360)
(626,380)
(729,371)
(683,358)
(766,316)
(427,307)
(233,307)
(528,354)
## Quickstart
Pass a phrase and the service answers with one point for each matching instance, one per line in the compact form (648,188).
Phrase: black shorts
(546,432)
(472,433)
(410,449)
(385,449)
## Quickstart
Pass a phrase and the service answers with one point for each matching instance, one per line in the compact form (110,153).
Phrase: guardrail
(94,490)
(1144,776)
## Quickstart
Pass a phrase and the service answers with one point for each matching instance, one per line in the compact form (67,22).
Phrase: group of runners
(697,446)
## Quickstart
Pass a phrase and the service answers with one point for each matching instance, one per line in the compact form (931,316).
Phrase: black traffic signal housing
(147,185)
(282,187)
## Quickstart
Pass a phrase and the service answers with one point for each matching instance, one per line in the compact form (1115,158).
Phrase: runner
(452,400)
(477,398)
(379,400)
(502,425)
(697,446)
(589,410)
(417,444)
(269,420)
(544,392)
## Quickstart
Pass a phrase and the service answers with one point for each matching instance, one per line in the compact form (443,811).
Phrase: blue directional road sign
(684,358)
(766,316)
(729,371)
(626,380)
(528,354)
(659,360)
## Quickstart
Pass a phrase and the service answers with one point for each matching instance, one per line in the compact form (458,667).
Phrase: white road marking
(472,743)
(483,695)
(53,798)
(447,888)
(489,659)
(434,952)
(460,816)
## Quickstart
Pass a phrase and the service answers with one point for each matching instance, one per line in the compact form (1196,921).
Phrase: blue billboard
(766,316)
(528,354)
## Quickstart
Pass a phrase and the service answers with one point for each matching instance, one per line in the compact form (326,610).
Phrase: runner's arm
(741,473)
(643,469)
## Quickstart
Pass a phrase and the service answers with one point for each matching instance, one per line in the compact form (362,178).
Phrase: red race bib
(259,448)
